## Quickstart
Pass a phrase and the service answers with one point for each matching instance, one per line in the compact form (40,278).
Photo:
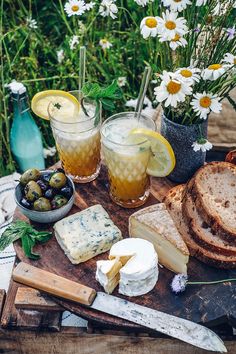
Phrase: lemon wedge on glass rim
(63,104)
(162,161)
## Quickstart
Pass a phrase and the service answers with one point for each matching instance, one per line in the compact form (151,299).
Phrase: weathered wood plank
(12,318)
(32,299)
(2,300)
(75,341)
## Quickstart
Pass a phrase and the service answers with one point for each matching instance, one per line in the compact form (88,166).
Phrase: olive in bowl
(40,201)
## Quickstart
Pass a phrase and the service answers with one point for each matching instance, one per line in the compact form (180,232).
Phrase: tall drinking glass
(126,158)
(78,140)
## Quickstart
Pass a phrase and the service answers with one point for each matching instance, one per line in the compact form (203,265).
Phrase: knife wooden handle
(53,284)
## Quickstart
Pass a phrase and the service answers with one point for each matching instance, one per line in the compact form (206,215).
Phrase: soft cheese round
(139,274)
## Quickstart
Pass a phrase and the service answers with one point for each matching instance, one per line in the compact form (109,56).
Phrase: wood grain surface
(210,305)
(33,320)
(77,341)
(32,299)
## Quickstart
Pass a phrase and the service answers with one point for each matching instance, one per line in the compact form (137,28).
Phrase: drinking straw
(142,91)
(82,60)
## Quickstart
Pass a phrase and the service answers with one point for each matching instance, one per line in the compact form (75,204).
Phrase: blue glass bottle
(25,137)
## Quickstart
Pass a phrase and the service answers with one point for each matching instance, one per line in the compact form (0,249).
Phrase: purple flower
(231,32)
(179,283)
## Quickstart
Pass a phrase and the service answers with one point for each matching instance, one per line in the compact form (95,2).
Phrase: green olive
(58,201)
(30,175)
(42,204)
(32,191)
(58,180)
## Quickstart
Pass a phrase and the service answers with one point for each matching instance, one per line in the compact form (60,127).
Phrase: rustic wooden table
(31,323)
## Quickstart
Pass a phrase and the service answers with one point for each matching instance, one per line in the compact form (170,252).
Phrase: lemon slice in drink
(63,105)
(162,161)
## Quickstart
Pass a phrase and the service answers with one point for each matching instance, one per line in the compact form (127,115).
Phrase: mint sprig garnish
(28,235)
(106,95)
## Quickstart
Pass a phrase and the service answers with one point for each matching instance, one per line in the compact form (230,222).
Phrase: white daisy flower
(90,5)
(170,25)
(177,5)
(60,56)
(50,151)
(213,72)
(204,103)
(105,44)
(202,145)
(201,2)
(189,74)
(121,81)
(75,7)
(108,8)
(176,42)
(31,23)
(149,27)
(143,2)
(229,59)
(172,90)
(73,42)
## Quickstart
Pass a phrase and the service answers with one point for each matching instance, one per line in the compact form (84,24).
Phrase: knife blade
(173,326)
(170,325)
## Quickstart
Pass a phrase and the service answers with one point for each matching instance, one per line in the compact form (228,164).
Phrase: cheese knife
(170,325)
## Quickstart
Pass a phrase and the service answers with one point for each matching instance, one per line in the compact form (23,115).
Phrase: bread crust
(208,241)
(173,202)
(208,215)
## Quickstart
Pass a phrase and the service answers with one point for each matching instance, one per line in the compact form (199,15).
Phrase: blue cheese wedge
(86,234)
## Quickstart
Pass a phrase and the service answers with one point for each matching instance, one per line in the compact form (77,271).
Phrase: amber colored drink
(126,159)
(78,144)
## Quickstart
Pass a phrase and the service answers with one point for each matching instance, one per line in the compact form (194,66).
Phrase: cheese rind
(139,274)
(86,234)
(107,274)
(156,225)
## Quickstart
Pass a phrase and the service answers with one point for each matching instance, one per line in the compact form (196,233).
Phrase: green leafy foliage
(28,235)
(106,95)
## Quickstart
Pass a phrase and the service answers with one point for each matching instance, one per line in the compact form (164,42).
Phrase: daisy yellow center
(104,41)
(205,102)
(151,22)
(235,61)
(173,87)
(170,25)
(177,0)
(75,8)
(176,38)
(215,67)
(186,73)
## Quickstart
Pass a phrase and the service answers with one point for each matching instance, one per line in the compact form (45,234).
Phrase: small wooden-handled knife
(173,326)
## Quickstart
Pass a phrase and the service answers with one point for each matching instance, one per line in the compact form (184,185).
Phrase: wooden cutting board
(210,305)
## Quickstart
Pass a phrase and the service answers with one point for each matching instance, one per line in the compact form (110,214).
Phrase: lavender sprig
(180,282)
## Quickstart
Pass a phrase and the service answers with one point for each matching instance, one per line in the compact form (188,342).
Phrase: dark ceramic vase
(181,138)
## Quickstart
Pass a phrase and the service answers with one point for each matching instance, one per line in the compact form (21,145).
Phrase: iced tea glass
(126,158)
(78,141)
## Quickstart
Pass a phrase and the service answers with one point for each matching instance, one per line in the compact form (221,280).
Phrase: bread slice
(173,202)
(214,193)
(202,232)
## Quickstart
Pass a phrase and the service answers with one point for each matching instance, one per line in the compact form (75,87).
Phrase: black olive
(42,184)
(45,176)
(49,193)
(67,192)
(60,170)
(25,203)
